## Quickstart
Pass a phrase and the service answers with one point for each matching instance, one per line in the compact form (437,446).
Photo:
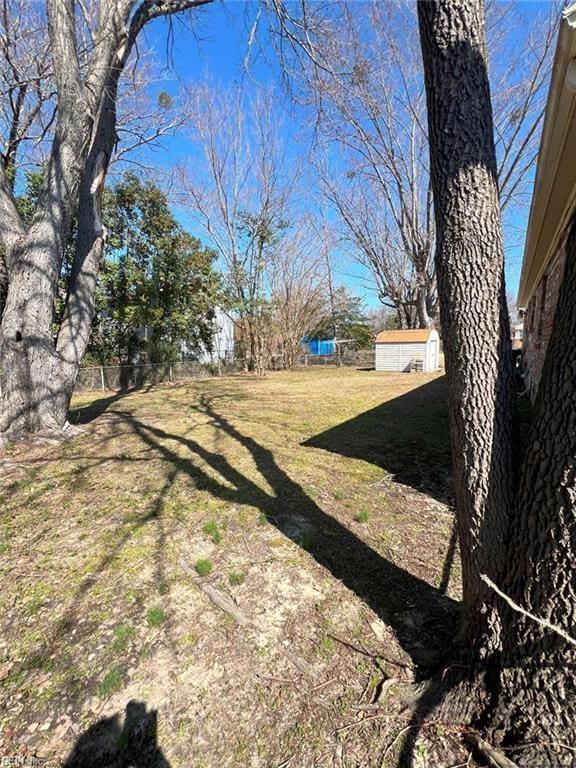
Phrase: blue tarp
(319,346)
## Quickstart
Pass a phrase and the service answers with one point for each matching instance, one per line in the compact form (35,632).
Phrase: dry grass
(320,500)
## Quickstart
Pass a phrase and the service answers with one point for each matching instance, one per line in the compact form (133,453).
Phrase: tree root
(48,435)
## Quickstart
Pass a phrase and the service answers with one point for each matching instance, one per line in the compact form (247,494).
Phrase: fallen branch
(350,646)
(518,608)
(225,604)
(495,758)
(298,661)
(218,598)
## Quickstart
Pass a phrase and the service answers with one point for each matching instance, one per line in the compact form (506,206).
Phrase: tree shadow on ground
(87,413)
(408,437)
(110,744)
(392,592)
(420,614)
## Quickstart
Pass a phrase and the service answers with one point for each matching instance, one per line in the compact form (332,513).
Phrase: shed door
(433,354)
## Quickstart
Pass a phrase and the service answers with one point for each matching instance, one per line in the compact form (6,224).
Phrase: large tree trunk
(469,268)
(538,699)
(32,377)
(524,539)
(81,305)
(424,319)
(36,380)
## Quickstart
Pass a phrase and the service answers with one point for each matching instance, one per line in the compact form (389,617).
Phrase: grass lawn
(227,572)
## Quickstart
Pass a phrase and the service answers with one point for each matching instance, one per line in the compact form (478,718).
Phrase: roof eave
(559,122)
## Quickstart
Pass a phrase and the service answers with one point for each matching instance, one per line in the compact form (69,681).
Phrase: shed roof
(414,336)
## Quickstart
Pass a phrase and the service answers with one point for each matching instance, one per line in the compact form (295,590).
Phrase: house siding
(539,318)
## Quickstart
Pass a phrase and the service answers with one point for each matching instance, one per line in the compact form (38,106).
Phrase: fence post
(102,379)
(170,372)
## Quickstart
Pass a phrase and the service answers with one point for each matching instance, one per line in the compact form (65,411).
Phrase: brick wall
(539,318)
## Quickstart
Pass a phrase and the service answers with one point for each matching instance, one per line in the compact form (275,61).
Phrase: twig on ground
(396,663)
(326,682)
(379,701)
(346,644)
(300,663)
(220,600)
(364,692)
(225,604)
(356,723)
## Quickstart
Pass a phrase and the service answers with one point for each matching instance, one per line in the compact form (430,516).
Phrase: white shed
(413,350)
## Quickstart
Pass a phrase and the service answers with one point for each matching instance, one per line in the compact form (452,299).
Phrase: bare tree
(240,187)
(298,279)
(519,75)
(389,265)
(373,106)
(88,53)
(27,106)
(363,74)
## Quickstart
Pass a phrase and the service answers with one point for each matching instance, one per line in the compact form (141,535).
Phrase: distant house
(517,334)
(412,350)
(553,205)
(222,340)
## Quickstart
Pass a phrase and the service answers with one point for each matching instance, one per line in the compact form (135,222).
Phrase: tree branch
(518,608)
(62,33)
(12,227)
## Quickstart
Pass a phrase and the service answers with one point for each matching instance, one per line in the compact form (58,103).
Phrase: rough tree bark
(30,377)
(469,267)
(522,536)
(80,306)
(37,375)
(537,703)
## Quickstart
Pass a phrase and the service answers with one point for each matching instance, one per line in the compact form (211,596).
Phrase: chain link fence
(359,359)
(118,377)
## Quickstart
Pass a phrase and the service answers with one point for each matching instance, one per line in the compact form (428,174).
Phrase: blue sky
(218,51)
